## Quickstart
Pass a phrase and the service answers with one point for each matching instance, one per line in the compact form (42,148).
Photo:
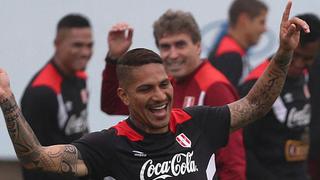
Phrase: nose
(173,53)
(86,51)
(159,94)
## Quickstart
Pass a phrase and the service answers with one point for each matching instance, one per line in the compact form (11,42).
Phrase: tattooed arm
(63,159)
(263,94)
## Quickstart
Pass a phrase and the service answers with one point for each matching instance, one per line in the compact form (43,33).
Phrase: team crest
(188,101)
(183,140)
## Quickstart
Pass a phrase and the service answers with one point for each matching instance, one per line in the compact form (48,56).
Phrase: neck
(62,68)
(147,129)
(239,37)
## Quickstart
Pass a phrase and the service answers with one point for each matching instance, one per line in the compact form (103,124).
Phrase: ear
(198,45)
(244,18)
(57,42)
(123,95)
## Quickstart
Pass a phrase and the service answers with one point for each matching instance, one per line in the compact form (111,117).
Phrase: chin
(80,68)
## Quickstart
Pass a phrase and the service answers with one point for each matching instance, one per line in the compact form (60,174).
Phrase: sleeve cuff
(110,60)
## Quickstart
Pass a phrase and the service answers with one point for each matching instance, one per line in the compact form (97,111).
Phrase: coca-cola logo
(180,164)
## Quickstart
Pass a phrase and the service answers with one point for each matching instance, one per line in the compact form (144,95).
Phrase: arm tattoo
(262,95)
(21,134)
(59,158)
(67,156)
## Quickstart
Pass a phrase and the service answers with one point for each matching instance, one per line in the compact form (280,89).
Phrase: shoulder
(96,139)
(209,75)
(205,111)
(229,45)
(49,77)
(39,95)
(125,130)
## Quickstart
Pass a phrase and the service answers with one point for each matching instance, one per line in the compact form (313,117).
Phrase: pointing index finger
(286,12)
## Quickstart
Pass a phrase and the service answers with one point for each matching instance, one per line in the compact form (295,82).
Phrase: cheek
(191,57)
(69,53)
(74,51)
(164,54)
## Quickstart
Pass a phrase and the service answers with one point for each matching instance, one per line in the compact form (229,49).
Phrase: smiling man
(178,39)
(55,100)
(148,91)
(155,142)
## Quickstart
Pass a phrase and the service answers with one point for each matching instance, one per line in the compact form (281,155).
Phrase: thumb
(291,30)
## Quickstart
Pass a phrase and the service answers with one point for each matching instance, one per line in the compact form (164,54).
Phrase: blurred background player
(277,145)
(314,151)
(55,101)
(247,22)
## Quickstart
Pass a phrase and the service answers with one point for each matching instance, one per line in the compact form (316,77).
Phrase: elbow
(32,160)
(110,111)
(28,166)
(107,110)
(114,108)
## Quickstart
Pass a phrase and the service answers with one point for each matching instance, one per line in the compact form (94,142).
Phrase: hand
(119,39)
(4,84)
(290,30)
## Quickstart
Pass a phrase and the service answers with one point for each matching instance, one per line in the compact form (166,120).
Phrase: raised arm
(263,94)
(119,41)
(64,159)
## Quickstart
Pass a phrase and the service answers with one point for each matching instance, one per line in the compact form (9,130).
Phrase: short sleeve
(214,122)
(97,153)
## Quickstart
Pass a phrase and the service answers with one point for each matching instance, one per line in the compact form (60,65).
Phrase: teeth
(160,107)
(175,63)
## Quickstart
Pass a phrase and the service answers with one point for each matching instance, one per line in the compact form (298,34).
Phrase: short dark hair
(314,23)
(73,21)
(173,22)
(251,7)
(134,58)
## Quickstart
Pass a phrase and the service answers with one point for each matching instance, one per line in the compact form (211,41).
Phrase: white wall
(28,29)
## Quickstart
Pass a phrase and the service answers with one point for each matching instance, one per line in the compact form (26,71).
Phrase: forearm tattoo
(60,158)
(263,94)
(20,132)
(66,155)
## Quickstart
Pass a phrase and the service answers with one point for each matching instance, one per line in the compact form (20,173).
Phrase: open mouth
(159,111)
(175,65)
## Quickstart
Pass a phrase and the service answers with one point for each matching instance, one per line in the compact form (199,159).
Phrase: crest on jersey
(183,140)
(188,101)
